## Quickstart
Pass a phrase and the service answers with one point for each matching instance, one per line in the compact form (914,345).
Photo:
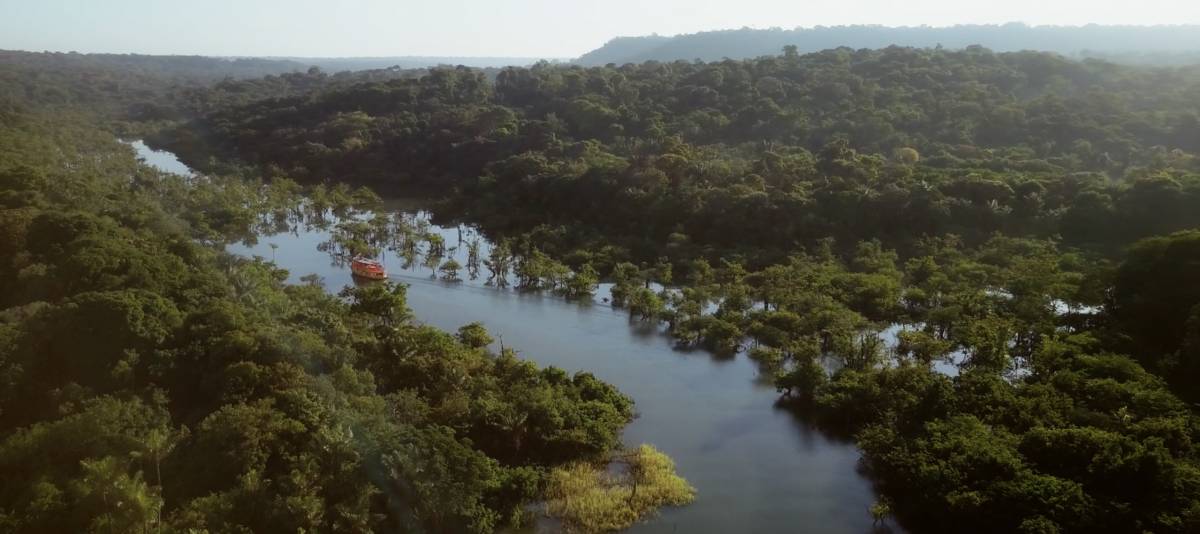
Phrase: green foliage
(968,201)
(450,271)
(150,382)
(1156,299)
(445,478)
(1076,446)
(582,283)
(116,501)
(894,144)
(645,304)
(385,303)
(474,335)
(589,499)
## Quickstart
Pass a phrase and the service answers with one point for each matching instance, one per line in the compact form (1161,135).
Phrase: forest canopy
(979,266)
(854,220)
(152,382)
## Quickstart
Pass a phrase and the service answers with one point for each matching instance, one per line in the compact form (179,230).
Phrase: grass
(588,498)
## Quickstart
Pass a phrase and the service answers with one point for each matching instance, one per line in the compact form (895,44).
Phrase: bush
(588,498)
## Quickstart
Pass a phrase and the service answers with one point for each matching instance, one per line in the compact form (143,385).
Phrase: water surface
(160,159)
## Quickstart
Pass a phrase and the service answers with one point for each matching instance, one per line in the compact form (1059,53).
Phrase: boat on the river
(367,268)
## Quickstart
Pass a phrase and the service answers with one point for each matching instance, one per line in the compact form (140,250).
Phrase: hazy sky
(526,28)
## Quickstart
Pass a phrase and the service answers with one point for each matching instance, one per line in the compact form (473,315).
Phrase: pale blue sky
(526,28)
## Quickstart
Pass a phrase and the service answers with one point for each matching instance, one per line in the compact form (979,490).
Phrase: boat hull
(370,270)
(369,275)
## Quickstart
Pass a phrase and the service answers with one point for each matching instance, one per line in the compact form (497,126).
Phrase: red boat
(365,268)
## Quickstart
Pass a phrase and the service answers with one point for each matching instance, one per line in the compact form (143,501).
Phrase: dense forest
(758,156)
(139,92)
(339,64)
(1025,216)
(206,68)
(1135,44)
(151,382)
(856,221)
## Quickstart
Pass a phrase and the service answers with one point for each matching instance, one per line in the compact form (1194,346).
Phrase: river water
(756,468)
(160,159)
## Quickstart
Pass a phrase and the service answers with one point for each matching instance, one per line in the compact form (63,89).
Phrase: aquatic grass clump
(588,498)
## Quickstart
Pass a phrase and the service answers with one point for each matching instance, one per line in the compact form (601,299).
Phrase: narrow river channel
(756,467)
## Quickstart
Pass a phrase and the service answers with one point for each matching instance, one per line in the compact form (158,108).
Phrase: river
(756,468)
(160,159)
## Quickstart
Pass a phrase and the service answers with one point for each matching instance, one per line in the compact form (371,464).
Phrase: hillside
(337,64)
(749,43)
(195,67)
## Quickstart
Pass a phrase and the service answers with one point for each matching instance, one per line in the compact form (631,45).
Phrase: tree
(473,258)
(499,263)
(443,479)
(626,280)
(582,283)
(385,303)
(449,271)
(115,500)
(474,335)
(645,304)
(1155,295)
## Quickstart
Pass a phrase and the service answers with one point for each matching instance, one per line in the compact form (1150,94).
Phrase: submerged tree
(450,270)
(499,264)
(473,257)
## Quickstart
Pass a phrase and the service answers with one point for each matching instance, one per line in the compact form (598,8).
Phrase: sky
(493,28)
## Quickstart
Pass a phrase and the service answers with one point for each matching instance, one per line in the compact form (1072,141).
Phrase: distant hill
(1162,44)
(141,86)
(207,68)
(335,64)
(184,67)
(624,49)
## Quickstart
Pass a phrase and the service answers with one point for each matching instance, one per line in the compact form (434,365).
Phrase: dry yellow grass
(587,498)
